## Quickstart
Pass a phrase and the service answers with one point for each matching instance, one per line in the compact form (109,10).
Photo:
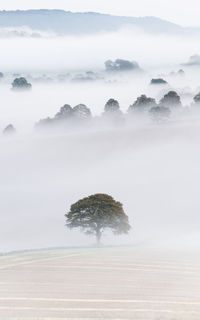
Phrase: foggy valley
(99,160)
(44,171)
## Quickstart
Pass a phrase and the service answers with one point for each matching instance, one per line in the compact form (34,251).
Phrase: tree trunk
(98,236)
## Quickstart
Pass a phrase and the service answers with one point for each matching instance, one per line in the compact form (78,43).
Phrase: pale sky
(183,12)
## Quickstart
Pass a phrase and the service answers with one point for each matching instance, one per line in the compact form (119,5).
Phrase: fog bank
(34,50)
(153,171)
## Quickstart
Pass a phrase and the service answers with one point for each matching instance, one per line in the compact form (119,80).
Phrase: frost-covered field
(104,283)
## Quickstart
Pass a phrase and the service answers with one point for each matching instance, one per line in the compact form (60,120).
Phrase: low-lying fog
(48,52)
(153,169)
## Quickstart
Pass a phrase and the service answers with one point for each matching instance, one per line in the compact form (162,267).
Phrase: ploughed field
(100,283)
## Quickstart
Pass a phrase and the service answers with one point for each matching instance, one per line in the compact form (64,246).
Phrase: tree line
(158,111)
(143,105)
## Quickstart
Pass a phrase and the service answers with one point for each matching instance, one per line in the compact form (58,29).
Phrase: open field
(101,283)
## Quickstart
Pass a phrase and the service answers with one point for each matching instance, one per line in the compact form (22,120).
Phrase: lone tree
(96,213)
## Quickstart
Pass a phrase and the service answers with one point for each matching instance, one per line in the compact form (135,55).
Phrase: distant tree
(81,111)
(1,75)
(42,123)
(65,112)
(181,72)
(121,65)
(171,99)
(143,103)
(88,76)
(9,130)
(193,61)
(21,84)
(158,81)
(112,105)
(159,113)
(96,213)
(197,99)
(112,113)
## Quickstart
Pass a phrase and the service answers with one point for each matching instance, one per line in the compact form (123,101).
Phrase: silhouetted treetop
(121,65)
(142,103)
(81,111)
(21,84)
(197,98)
(9,130)
(65,112)
(171,99)
(68,114)
(158,81)
(112,105)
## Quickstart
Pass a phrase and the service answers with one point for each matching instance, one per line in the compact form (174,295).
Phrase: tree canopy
(112,105)
(96,213)
(158,81)
(159,113)
(9,130)
(171,99)
(121,65)
(197,98)
(21,84)
(142,103)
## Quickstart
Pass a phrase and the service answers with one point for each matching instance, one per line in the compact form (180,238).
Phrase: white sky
(183,12)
